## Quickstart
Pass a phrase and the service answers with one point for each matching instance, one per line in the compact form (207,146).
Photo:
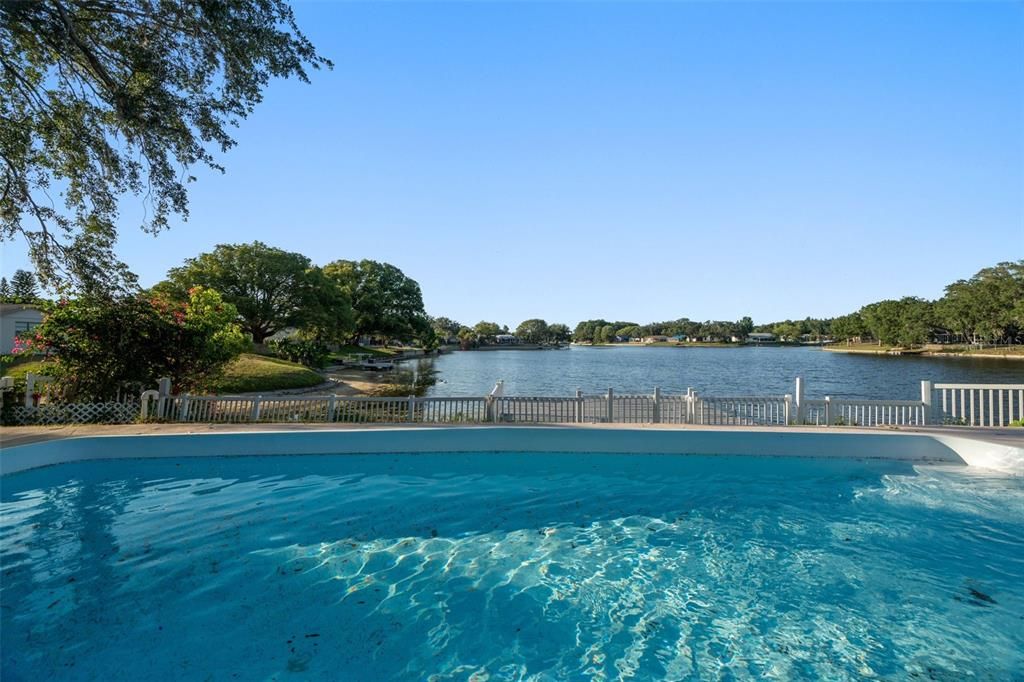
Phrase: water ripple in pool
(455,567)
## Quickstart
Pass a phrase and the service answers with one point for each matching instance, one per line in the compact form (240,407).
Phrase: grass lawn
(252,372)
(1016,351)
(23,366)
(858,347)
(377,351)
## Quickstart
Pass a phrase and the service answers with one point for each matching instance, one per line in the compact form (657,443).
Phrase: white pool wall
(916,447)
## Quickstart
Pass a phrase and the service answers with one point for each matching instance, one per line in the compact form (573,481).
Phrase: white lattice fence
(74,413)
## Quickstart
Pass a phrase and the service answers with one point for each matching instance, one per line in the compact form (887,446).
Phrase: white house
(760,337)
(15,319)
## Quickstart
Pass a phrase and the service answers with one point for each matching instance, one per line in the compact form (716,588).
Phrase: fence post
(788,411)
(657,405)
(611,406)
(144,402)
(926,398)
(412,408)
(332,404)
(801,404)
(696,413)
(828,411)
(183,412)
(30,384)
(254,416)
(578,407)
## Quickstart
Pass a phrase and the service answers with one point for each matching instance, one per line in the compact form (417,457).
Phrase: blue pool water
(505,566)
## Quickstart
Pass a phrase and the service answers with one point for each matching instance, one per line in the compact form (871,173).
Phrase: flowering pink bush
(100,344)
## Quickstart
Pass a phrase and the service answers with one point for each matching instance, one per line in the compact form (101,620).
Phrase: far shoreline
(832,348)
(889,352)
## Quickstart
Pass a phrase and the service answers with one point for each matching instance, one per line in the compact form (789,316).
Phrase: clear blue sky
(640,161)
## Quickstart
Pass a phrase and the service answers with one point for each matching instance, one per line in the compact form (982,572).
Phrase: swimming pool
(512,565)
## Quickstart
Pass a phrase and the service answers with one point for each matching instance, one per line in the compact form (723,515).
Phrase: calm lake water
(748,370)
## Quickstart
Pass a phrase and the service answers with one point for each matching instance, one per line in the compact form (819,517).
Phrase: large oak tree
(386,303)
(272,289)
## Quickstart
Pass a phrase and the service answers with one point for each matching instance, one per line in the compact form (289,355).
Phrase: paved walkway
(11,436)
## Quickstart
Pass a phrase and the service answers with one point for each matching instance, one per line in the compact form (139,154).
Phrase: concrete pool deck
(12,436)
(30,447)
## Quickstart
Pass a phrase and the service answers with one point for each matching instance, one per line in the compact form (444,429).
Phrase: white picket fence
(980,404)
(836,412)
(970,405)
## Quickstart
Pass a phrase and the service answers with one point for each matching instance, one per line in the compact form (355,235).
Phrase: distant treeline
(988,308)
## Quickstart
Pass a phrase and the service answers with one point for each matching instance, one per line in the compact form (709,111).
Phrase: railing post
(144,402)
(332,405)
(163,391)
(801,404)
(412,408)
(828,411)
(788,409)
(254,416)
(611,406)
(657,405)
(578,407)
(696,412)
(688,416)
(926,399)
(183,410)
(30,385)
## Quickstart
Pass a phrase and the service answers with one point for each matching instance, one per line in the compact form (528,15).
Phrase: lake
(744,370)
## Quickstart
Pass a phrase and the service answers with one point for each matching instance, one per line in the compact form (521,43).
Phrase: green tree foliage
(386,303)
(559,333)
(848,327)
(467,338)
(987,307)
(100,344)
(326,316)
(594,331)
(903,322)
(100,99)
(272,289)
(6,293)
(786,331)
(486,331)
(533,331)
(446,328)
(744,327)
(630,331)
(23,287)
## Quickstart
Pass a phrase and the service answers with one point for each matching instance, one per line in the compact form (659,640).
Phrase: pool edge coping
(925,446)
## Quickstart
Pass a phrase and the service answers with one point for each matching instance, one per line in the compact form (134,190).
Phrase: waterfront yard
(251,373)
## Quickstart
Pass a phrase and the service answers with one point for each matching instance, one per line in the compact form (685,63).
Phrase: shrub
(101,344)
(309,352)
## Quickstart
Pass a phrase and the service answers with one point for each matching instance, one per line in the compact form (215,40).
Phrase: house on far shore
(16,319)
(760,337)
(657,338)
(506,339)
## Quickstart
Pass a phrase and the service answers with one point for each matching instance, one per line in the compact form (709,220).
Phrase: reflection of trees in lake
(410,378)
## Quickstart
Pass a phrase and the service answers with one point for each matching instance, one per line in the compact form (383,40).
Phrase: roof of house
(8,308)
